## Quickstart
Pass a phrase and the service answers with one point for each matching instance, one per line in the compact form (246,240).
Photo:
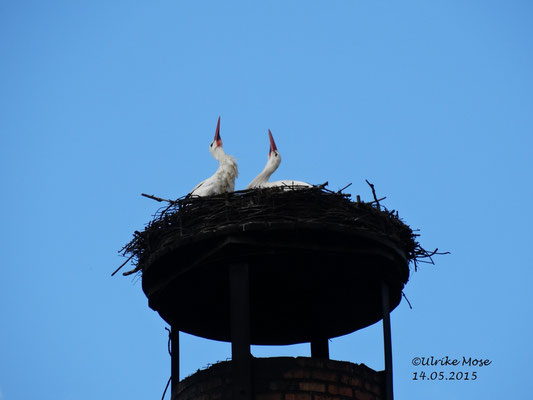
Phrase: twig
(377,201)
(408,302)
(169,352)
(165,210)
(159,199)
(373,193)
(436,252)
(137,268)
(345,187)
(166,387)
(124,263)
(427,254)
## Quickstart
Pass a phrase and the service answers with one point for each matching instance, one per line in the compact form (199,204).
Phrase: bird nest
(189,217)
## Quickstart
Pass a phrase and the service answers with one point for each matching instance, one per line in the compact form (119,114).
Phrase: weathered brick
(339,366)
(350,380)
(297,396)
(279,385)
(312,387)
(297,374)
(377,377)
(373,388)
(310,362)
(359,395)
(317,396)
(322,375)
(345,391)
(269,396)
(288,379)
(340,390)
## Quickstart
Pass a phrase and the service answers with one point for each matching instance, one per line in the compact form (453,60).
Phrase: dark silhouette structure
(276,267)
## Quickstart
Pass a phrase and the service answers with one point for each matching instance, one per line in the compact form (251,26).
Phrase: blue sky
(100,101)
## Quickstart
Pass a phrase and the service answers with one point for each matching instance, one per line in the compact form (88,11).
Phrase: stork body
(223,180)
(273,162)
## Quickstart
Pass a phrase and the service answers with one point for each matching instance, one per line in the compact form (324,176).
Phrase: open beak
(218,139)
(272,143)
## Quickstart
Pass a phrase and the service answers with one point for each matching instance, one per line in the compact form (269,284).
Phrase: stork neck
(219,154)
(264,176)
(269,169)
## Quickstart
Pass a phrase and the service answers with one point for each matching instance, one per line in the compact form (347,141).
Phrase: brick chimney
(287,378)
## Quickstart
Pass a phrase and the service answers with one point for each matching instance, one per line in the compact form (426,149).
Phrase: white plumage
(273,162)
(223,180)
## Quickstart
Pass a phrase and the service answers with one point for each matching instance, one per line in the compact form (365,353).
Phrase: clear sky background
(101,100)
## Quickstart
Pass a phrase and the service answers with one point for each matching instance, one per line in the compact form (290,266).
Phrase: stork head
(273,155)
(216,145)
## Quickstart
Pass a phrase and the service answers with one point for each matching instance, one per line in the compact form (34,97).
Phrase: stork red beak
(272,143)
(218,139)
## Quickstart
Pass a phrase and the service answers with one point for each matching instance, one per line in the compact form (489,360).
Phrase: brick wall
(287,378)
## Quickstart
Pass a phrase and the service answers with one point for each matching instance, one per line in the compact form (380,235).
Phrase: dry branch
(373,193)
(159,199)
(189,216)
(124,263)
(345,187)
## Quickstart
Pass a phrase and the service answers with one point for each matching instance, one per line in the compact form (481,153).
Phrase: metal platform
(307,281)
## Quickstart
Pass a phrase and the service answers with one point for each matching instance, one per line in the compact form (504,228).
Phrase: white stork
(274,160)
(223,180)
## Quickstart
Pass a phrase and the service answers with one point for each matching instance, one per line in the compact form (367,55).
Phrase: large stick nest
(190,216)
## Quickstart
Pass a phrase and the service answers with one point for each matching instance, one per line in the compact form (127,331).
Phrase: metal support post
(320,348)
(241,358)
(174,359)
(387,340)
